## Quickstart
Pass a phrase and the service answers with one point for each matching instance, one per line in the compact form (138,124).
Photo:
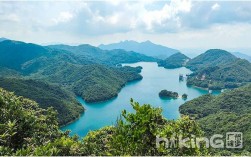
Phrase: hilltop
(212,57)
(218,69)
(176,60)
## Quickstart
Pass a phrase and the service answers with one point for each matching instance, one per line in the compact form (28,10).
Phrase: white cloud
(178,23)
(216,6)
(63,17)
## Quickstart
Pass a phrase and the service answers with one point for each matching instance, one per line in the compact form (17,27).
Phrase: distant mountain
(109,57)
(212,57)
(147,48)
(242,56)
(15,53)
(2,39)
(174,61)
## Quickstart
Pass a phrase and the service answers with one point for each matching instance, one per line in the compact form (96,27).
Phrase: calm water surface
(146,90)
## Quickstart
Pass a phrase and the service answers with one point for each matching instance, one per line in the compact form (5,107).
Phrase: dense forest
(168,94)
(46,96)
(30,70)
(212,57)
(176,60)
(108,57)
(218,69)
(227,112)
(28,130)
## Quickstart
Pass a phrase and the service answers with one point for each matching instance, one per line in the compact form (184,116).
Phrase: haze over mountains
(147,48)
(242,56)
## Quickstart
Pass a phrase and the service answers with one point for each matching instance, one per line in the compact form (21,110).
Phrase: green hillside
(92,82)
(46,96)
(227,112)
(27,130)
(212,57)
(218,69)
(176,60)
(109,57)
(14,53)
(230,75)
(92,75)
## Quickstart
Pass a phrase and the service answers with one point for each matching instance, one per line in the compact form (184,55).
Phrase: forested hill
(227,112)
(212,57)
(219,69)
(109,57)
(13,54)
(94,77)
(46,95)
(176,60)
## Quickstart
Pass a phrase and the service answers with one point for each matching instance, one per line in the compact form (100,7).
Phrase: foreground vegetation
(27,129)
(46,95)
(227,112)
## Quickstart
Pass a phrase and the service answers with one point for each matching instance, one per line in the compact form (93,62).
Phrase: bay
(145,91)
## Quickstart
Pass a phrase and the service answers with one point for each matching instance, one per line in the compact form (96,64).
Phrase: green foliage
(227,112)
(98,142)
(168,94)
(47,96)
(27,130)
(23,124)
(62,146)
(92,82)
(176,60)
(135,134)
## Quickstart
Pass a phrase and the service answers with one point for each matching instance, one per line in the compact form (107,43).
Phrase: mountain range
(147,48)
(2,39)
(83,70)
(242,56)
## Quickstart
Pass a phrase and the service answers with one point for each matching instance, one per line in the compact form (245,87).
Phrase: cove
(145,91)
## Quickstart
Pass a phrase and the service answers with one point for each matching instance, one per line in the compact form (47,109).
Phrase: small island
(184,96)
(168,94)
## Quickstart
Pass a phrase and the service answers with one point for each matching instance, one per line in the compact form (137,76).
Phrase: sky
(182,24)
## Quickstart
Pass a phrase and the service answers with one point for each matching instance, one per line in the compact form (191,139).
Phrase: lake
(154,80)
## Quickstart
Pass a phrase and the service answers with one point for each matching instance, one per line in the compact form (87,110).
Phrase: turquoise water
(146,90)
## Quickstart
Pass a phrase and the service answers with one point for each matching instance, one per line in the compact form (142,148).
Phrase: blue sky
(181,24)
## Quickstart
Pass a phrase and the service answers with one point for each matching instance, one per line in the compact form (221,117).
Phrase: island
(168,94)
(184,96)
